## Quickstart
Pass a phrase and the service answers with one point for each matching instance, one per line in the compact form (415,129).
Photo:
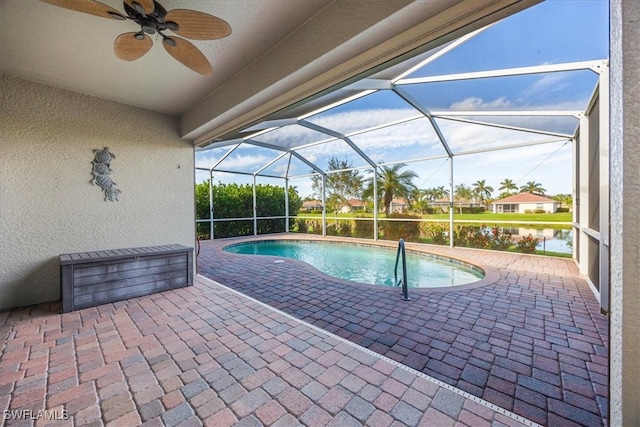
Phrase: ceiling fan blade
(187,54)
(147,5)
(198,25)
(88,6)
(129,48)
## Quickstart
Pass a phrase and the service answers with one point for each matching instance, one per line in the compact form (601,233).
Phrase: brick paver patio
(208,355)
(531,341)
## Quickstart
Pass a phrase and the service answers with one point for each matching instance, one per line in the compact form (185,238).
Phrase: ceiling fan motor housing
(152,22)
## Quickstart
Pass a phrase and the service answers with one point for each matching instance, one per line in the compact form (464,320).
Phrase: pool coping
(491,274)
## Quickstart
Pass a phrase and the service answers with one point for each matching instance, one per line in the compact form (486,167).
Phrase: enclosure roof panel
(377,108)
(524,81)
(412,139)
(569,90)
(291,136)
(551,32)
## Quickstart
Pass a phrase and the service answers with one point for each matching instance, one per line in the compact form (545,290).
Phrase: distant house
(523,202)
(398,205)
(311,205)
(353,205)
(457,204)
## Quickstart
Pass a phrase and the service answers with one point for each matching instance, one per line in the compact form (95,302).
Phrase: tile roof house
(354,205)
(523,203)
(398,205)
(311,205)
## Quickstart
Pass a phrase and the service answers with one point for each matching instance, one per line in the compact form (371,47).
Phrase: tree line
(236,201)
(343,184)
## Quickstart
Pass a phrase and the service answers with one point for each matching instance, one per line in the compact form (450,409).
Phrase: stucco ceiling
(275,45)
(73,50)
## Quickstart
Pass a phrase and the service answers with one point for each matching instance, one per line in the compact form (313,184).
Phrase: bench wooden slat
(92,278)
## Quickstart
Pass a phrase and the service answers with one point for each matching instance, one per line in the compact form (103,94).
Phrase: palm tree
(441,192)
(428,194)
(420,199)
(508,185)
(482,190)
(463,192)
(415,198)
(392,182)
(533,188)
(563,199)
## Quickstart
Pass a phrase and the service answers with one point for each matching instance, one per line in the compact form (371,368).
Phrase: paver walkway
(532,342)
(208,355)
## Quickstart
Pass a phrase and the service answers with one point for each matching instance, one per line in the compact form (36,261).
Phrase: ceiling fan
(153,18)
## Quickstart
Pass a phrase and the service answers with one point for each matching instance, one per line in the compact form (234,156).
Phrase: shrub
(303,227)
(560,210)
(483,238)
(473,210)
(528,244)
(315,227)
(436,232)
(500,241)
(203,230)
(472,237)
(236,201)
(344,229)
(363,228)
(407,230)
(539,211)
(332,230)
(478,238)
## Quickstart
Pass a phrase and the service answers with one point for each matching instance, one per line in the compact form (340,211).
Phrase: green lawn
(486,217)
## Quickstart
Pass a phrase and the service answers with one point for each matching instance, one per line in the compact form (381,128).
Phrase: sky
(553,32)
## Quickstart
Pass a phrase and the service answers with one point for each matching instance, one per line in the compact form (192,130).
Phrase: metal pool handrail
(403,281)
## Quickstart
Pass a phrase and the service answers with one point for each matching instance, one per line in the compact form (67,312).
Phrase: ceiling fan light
(138,7)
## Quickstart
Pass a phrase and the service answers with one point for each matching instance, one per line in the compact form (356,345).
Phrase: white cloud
(416,139)
(464,136)
(545,86)
(475,104)
(244,163)
(206,159)
(350,121)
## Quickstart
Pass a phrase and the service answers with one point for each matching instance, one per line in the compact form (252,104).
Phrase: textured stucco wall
(625,213)
(48,205)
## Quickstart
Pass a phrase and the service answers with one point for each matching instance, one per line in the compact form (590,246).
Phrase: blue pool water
(365,264)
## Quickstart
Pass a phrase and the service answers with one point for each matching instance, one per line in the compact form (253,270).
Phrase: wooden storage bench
(88,279)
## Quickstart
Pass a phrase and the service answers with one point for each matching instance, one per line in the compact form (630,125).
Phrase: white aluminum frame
(397,85)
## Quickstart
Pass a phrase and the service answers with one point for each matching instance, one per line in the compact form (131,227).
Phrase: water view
(551,240)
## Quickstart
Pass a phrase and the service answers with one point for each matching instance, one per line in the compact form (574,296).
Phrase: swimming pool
(366,263)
